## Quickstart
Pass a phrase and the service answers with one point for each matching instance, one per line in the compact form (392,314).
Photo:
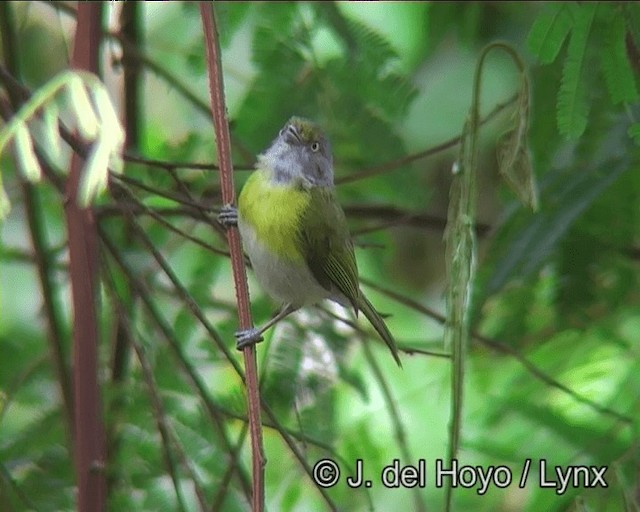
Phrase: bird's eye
(315,146)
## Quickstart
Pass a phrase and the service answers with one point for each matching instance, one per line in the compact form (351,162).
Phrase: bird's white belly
(283,280)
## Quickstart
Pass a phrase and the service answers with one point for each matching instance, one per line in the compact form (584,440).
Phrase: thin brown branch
(156,191)
(213,408)
(167,332)
(46,267)
(223,142)
(203,212)
(392,215)
(159,413)
(392,165)
(141,207)
(133,57)
(548,380)
(372,336)
(9,481)
(394,414)
(368,172)
(121,351)
(503,348)
(183,294)
(162,423)
(223,489)
(166,164)
(113,210)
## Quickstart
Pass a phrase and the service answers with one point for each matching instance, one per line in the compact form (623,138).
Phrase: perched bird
(295,232)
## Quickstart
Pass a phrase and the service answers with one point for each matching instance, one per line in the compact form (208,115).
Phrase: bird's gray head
(300,152)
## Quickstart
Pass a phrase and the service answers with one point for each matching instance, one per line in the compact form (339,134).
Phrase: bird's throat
(273,212)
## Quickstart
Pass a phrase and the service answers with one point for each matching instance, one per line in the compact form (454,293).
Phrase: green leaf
(548,32)
(573,105)
(615,64)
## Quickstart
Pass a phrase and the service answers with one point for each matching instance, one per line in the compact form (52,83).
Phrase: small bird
(295,232)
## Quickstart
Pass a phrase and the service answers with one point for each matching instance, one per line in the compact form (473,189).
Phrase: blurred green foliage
(554,371)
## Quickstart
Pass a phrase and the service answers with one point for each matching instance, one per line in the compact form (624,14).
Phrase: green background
(553,371)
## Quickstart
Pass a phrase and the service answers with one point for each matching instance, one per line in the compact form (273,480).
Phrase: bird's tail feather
(378,324)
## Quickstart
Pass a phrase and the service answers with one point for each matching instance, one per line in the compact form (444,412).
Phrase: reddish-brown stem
(83,266)
(223,142)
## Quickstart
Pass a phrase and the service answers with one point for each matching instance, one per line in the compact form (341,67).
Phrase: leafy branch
(584,23)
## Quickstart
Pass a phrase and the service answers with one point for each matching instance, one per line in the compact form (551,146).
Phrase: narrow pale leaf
(85,118)
(5,207)
(25,153)
(95,173)
(107,114)
(50,133)
(46,137)
(112,132)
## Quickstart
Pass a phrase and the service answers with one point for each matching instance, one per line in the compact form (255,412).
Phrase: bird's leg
(251,336)
(228,215)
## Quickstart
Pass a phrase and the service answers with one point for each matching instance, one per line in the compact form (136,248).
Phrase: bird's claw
(228,216)
(247,337)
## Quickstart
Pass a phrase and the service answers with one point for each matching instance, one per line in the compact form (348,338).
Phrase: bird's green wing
(328,251)
(327,245)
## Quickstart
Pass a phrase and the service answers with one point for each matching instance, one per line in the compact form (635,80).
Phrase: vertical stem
(221,124)
(130,30)
(461,254)
(461,251)
(130,27)
(83,265)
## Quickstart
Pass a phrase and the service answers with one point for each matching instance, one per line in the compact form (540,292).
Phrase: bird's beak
(291,135)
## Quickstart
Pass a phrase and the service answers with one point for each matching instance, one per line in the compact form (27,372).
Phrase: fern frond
(549,32)
(370,43)
(274,33)
(615,65)
(231,16)
(573,105)
(376,64)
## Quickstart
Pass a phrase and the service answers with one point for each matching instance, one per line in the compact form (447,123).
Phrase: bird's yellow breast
(274,212)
